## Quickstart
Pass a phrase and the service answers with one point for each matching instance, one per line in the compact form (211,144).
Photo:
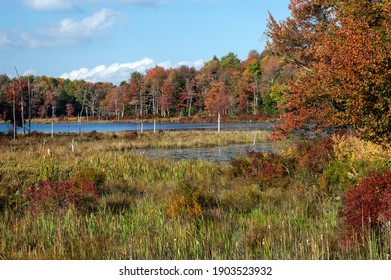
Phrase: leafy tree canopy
(343,50)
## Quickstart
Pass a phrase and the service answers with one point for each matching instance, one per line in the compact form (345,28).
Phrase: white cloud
(197,64)
(49,4)
(71,31)
(29,72)
(118,72)
(114,73)
(168,64)
(46,5)
(143,2)
(102,19)
(165,64)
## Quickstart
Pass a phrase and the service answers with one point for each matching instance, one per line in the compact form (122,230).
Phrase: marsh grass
(160,209)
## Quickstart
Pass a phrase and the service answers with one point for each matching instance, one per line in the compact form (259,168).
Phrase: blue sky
(106,40)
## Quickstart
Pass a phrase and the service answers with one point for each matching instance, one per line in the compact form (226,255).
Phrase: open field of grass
(92,197)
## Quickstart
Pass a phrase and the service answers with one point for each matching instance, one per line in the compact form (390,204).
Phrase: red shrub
(131,135)
(369,203)
(47,195)
(268,169)
(94,135)
(314,154)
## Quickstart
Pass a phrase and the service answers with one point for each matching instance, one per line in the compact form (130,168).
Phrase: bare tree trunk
(141,105)
(190,104)
(29,107)
(154,102)
(218,122)
(22,113)
(21,102)
(116,109)
(14,111)
(256,98)
(82,106)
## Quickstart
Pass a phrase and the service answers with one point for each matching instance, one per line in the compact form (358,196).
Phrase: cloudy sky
(106,40)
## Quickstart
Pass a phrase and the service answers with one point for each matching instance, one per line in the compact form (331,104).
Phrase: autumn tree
(186,89)
(16,97)
(343,49)
(5,82)
(134,98)
(276,71)
(166,99)
(217,99)
(231,61)
(152,87)
(296,38)
(207,75)
(250,83)
(51,101)
(114,103)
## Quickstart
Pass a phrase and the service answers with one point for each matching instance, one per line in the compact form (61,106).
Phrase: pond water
(132,126)
(222,154)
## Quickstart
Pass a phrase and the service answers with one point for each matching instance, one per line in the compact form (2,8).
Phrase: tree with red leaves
(217,100)
(115,101)
(153,82)
(343,51)
(168,91)
(135,97)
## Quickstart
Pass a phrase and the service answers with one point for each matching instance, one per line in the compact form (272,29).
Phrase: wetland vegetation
(92,196)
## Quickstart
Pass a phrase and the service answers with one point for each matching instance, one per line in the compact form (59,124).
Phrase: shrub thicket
(51,196)
(369,203)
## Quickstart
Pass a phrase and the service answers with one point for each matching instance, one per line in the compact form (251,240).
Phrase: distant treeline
(227,86)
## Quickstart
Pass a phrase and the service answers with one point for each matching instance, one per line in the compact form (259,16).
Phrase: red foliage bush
(266,168)
(369,203)
(93,135)
(48,195)
(314,154)
(131,135)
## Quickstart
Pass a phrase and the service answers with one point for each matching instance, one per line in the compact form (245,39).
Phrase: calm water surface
(221,154)
(131,126)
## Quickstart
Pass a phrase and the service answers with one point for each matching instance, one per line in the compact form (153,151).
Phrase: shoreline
(158,119)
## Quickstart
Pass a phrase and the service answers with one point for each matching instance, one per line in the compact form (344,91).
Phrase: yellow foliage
(181,205)
(352,148)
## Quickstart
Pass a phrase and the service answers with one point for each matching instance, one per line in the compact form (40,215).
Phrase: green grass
(160,209)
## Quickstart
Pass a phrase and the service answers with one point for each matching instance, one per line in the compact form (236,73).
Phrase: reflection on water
(221,154)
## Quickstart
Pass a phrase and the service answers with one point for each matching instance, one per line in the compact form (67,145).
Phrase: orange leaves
(296,38)
(217,99)
(349,74)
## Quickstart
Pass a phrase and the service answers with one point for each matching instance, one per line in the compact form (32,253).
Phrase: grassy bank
(102,201)
(120,141)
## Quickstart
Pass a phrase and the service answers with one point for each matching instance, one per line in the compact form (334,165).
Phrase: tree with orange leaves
(217,99)
(343,48)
